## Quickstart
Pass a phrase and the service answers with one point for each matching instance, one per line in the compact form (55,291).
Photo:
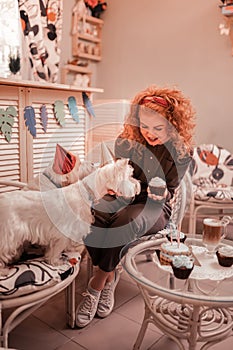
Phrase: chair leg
(70,304)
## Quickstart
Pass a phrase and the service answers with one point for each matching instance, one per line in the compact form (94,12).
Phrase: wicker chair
(22,306)
(212,178)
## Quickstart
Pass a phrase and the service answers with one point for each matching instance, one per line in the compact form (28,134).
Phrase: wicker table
(198,309)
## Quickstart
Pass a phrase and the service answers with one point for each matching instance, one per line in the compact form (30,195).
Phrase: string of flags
(7,115)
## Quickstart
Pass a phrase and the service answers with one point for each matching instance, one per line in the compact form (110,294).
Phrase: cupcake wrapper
(224,261)
(158,191)
(180,273)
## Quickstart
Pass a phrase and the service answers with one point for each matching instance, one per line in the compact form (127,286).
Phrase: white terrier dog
(61,217)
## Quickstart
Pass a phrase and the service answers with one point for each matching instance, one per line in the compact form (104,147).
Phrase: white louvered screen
(12,153)
(110,116)
(71,136)
(24,156)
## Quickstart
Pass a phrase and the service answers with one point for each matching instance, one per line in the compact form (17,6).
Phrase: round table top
(208,284)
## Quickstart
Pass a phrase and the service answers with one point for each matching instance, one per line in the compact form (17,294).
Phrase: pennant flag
(44,117)
(30,120)
(87,103)
(6,121)
(59,110)
(73,108)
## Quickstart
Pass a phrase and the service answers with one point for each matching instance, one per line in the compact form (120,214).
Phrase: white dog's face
(123,183)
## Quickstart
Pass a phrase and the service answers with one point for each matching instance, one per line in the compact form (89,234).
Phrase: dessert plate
(209,269)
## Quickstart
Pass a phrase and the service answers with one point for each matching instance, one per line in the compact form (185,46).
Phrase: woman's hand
(155,197)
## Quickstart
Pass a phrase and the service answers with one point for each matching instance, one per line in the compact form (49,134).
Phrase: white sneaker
(106,300)
(87,308)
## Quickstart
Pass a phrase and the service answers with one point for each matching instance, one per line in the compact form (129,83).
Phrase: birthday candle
(178,238)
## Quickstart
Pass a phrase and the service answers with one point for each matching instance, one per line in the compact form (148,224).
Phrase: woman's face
(154,128)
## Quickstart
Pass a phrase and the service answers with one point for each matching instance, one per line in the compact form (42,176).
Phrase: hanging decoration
(14,63)
(41,22)
(30,119)
(6,121)
(7,116)
(88,105)
(44,117)
(73,108)
(59,110)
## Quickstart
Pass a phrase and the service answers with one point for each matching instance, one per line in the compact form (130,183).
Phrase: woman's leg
(113,228)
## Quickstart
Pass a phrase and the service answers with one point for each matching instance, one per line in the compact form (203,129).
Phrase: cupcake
(182,266)
(173,236)
(157,186)
(225,256)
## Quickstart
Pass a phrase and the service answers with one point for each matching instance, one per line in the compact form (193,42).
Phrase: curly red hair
(175,107)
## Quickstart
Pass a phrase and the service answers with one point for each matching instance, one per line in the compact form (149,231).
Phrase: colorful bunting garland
(7,116)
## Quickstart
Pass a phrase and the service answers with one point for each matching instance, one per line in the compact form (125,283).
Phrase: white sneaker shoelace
(89,305)
(106,295)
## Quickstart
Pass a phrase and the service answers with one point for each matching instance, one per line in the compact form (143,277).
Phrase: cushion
(212,173)
(214,194)
(212,165)
(33,275)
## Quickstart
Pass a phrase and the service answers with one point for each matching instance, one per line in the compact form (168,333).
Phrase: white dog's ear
(122,162)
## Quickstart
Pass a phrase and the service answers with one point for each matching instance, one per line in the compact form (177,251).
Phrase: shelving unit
(86,46)
(86,38)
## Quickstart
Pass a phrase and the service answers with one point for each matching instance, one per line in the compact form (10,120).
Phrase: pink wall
(167,43)
(171,43)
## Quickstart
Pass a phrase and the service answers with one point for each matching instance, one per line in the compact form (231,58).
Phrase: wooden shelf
(94,20)
(74,69)
(46,85)
(90,38)
(88,56)
(77,69)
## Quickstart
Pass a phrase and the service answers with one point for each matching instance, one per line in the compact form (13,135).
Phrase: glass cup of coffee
(213,232)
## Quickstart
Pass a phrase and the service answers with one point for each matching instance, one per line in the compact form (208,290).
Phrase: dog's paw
(54,261)
(4,271)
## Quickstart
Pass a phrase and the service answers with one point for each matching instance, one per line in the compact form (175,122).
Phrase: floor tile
(134,310)
(114,332)
(71,345)
(36,335)
(46,328)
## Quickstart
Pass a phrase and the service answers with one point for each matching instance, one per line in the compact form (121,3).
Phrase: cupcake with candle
(225,256)
(182,266)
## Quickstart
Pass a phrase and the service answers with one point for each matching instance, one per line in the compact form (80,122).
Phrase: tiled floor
(46,328)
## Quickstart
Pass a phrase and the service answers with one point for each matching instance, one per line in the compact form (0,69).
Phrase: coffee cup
(213,232)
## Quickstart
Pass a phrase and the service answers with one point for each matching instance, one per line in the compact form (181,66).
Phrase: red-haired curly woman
(157,139)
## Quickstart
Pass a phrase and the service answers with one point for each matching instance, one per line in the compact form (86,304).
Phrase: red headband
(156,99)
